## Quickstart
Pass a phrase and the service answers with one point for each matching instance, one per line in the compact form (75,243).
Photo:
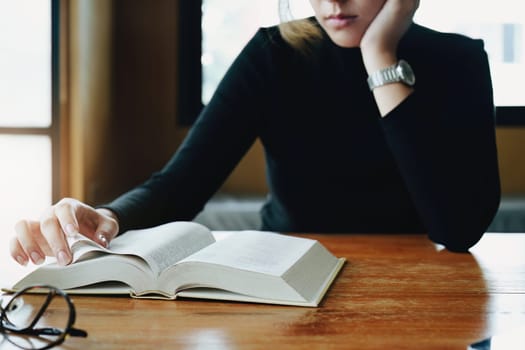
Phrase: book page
(159,246)
(256,251)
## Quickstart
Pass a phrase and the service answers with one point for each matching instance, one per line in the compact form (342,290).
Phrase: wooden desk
(395,292)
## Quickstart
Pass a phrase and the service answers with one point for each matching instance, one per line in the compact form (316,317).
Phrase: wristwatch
(399,72)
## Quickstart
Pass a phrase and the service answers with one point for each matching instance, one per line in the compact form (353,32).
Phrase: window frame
(190,71)
(510,115)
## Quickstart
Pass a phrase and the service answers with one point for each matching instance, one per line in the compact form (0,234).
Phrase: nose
(334,2)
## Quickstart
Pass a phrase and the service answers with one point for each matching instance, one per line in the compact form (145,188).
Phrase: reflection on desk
(395,292)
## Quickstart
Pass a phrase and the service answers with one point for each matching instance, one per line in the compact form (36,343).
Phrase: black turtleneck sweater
(333,164)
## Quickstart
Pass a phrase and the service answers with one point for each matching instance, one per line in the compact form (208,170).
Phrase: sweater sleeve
(222,134)
(444,145)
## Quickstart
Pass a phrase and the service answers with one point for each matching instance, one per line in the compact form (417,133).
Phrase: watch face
(405,73)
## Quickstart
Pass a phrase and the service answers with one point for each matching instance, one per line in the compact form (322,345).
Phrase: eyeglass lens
(38,320)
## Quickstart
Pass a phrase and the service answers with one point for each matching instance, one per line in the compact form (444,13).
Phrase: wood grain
(395,292)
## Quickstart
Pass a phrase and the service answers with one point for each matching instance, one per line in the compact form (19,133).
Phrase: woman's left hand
(388,27)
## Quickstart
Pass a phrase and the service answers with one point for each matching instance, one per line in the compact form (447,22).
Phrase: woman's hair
(300,34)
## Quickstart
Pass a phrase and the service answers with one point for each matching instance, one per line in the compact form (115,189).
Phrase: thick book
(184,259)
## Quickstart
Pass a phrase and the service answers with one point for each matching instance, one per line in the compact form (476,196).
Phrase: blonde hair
(300,34)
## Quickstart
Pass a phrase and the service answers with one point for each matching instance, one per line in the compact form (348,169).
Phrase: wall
(144,68)
(118,94)
(511,154)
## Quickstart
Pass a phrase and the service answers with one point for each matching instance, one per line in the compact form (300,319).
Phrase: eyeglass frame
(6,326)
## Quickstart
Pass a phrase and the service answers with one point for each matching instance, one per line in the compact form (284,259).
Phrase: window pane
(25,63)
(25,179)
(226,29)
(25,188)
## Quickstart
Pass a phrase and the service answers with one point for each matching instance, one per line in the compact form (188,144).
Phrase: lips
(340,20)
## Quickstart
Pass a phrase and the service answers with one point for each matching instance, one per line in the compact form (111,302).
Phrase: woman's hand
(380,41)
(36,239)
(379,49)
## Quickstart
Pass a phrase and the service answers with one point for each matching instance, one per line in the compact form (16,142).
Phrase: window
(217,28)
(224,30)
(221,38)
(501,25)
(27,121)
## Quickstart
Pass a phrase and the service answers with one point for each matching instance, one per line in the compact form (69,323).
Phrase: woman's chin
(344,40)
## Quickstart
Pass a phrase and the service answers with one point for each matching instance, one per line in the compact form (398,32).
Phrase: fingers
(107,228)
(105,232)
(389,25)
(70,217)
(52,230)
(65,212)
(17,252)
(99,225)
(28,245)
(35,240)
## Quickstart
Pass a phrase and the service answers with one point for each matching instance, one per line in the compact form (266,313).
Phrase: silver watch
(399,72)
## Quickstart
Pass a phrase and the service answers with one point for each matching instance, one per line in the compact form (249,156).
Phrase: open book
(183,259)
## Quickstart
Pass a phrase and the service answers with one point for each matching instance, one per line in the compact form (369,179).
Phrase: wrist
(375,60)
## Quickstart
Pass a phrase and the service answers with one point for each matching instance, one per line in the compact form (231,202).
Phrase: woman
(351,143)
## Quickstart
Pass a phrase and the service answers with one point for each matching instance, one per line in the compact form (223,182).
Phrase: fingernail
(62,258)
(70,230)
(102,239)
(37,259)
(21,260)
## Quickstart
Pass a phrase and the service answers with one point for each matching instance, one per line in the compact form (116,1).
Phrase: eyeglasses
(38,318)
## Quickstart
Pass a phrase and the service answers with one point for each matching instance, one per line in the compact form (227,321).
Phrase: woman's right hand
(36,239)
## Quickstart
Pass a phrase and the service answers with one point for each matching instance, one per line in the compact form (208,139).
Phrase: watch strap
(383,76)
(392,74)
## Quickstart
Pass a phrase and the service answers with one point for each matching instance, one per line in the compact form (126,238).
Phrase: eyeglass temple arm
(76,332)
